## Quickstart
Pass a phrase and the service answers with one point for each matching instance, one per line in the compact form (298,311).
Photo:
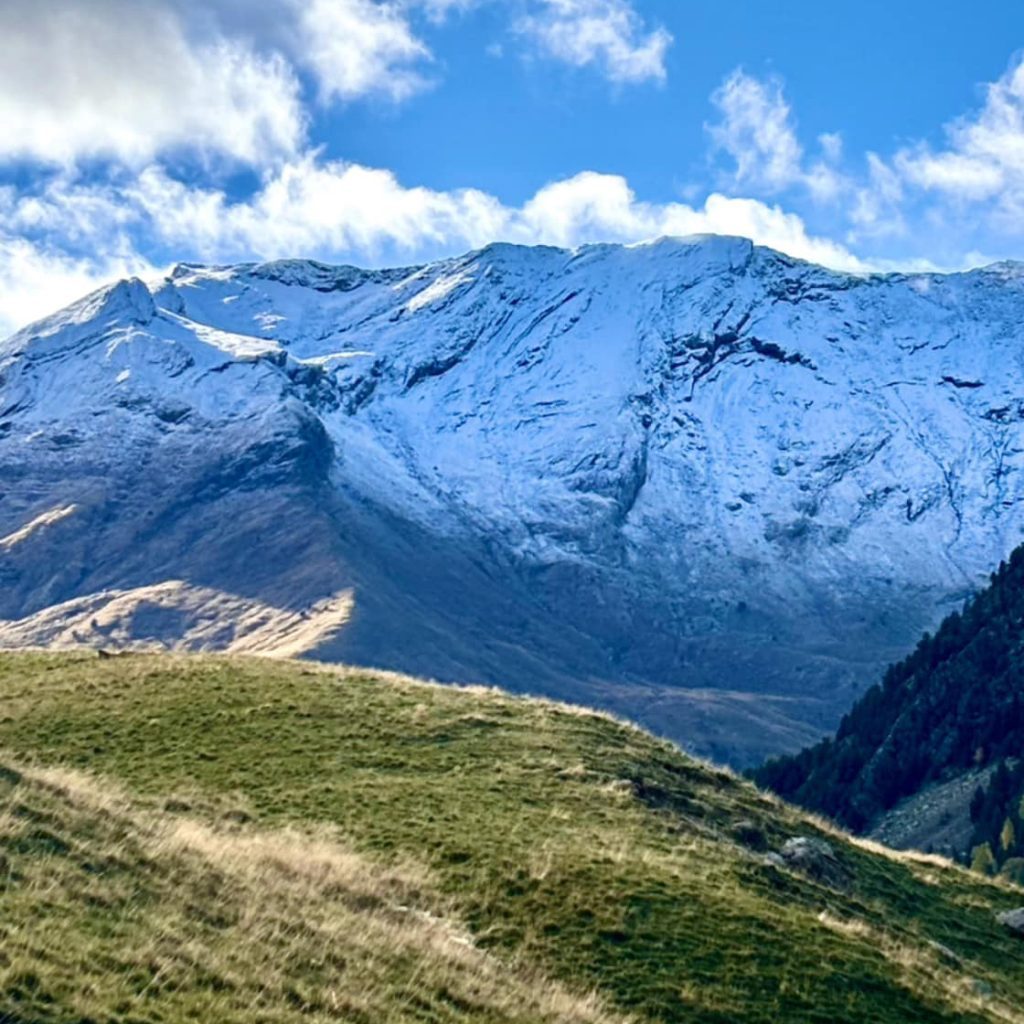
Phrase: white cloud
(984,158)
(439,10)
(340,211)
(65,209)
(121,79)
(36,280)
(331,209)
(756,130)
(602,207)
(831,146)
(59,244)
(947,201)
(132,79)
(351,48)
(357,47)
(608,34)
(877,206)
(946,195)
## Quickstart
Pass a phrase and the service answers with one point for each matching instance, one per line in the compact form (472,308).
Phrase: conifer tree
(1008,836)
(978,802)
(953,705)
(982,860)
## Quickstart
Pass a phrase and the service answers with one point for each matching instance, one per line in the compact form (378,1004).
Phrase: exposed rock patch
(1012,920)
(814,858)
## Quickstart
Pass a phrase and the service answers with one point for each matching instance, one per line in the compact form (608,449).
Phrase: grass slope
(271,841)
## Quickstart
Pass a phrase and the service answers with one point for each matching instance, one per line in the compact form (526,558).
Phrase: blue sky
(863,135)
(880,76)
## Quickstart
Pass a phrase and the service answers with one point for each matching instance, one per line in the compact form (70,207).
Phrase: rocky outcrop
(814,858)
(701,484)
(1013,920)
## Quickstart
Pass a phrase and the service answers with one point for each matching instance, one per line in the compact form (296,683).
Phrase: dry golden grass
(41,522)
(437,855)
(230,922)
(215,620)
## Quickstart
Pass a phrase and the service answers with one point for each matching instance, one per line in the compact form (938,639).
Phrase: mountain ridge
(629,476)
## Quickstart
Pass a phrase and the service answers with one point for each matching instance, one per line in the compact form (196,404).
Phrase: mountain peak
(616,468)
(128,300)
(130,297)
(1007,269)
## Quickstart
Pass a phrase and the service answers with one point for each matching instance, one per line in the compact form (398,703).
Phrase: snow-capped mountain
(695,481)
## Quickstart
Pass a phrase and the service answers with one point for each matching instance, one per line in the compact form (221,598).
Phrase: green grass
(579,854)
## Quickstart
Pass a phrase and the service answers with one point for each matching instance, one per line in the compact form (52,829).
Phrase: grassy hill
(223,839)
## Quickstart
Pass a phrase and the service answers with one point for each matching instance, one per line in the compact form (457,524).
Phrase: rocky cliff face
(705,485)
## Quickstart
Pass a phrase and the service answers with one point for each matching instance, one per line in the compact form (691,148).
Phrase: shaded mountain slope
(953,706)
(271,841)
(694,481)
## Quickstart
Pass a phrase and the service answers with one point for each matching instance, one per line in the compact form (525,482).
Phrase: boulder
(1013,920)
(816,859)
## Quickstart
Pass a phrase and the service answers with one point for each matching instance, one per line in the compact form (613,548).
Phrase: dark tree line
(956,702)
(997,819)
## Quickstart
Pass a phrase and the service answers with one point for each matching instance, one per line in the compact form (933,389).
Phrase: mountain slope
(268,841)
(694,481)
(113,908)
(953,707)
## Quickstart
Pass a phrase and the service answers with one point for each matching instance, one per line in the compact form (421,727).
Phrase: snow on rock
(613,474)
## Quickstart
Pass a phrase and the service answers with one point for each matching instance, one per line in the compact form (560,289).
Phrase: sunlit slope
(114,910)
(254,840)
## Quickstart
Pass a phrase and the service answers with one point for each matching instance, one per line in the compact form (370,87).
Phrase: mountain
(241,840)
(695,482)
(935,735)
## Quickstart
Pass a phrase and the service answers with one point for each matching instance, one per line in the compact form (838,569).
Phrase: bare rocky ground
(936,820)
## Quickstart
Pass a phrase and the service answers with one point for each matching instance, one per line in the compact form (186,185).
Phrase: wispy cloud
(756,129)
(607,34)
(983,161)
(976,179)
(356,48)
